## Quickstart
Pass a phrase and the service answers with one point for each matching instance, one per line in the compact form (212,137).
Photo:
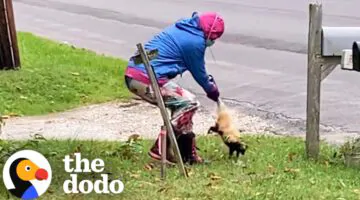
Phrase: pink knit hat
(212,24)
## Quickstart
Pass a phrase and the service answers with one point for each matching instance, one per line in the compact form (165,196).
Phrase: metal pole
(162,107)
(314,81)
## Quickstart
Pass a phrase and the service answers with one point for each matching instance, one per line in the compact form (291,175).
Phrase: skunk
(229,134)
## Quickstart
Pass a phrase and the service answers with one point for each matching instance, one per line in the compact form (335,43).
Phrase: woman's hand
(214,93)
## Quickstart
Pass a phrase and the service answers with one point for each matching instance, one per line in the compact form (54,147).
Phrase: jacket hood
(191,25)
(212,24)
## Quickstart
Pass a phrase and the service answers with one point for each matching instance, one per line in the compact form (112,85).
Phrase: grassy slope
(56,77)
(274,168)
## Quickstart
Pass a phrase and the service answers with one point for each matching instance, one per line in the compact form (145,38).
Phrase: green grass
(273,168)
(56,77)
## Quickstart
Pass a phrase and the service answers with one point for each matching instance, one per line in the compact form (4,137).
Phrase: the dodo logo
(27,174)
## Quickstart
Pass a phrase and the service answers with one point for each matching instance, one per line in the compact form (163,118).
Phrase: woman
(181,47)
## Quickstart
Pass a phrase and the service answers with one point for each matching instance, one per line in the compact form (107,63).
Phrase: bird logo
(27,174)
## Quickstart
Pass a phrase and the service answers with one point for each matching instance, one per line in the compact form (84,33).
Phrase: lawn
(273,168)
(56,77)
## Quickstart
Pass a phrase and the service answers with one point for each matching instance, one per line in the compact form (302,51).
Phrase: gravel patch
(119,120)
(112,121)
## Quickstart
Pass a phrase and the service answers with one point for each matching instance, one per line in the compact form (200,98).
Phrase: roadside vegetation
(273,168)
(56,77)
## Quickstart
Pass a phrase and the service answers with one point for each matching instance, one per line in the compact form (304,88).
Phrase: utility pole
(9,51)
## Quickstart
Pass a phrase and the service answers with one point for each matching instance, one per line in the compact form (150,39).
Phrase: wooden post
(9,53)
(12,30)
(163,142)
(5,50)
(164,113)
(314,81)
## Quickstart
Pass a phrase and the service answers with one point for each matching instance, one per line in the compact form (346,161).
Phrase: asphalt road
(261,60)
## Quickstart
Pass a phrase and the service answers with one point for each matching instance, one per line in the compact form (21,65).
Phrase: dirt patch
(112,121)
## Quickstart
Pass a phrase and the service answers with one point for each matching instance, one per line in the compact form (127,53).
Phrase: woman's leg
(182,105)
(144,91)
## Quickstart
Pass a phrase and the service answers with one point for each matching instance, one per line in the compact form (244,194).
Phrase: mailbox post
(328,47)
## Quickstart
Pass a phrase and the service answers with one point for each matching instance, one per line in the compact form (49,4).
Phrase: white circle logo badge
(27,174)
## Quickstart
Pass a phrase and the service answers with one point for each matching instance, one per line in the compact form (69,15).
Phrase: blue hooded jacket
(181,47)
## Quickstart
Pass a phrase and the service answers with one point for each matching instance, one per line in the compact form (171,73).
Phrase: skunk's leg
(212,129)
(231,150)
(237,152)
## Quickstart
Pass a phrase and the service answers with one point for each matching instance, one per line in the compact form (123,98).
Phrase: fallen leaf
(342,183)
(327,163)
(291,157)
(18,88)
(163,189)
(357,191)
(53,153)
(211,174)
(214,187)
(290,170)
(312,181)
(190,173)
(134,175)
(134,137)
(271,169)
(39,137)
(147,183)
(235,181)
(13,115)
(270,194)
(84,96)
(4,117)
(214,178)
(149,166)
(23,97)
(50,191)
(78,148)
